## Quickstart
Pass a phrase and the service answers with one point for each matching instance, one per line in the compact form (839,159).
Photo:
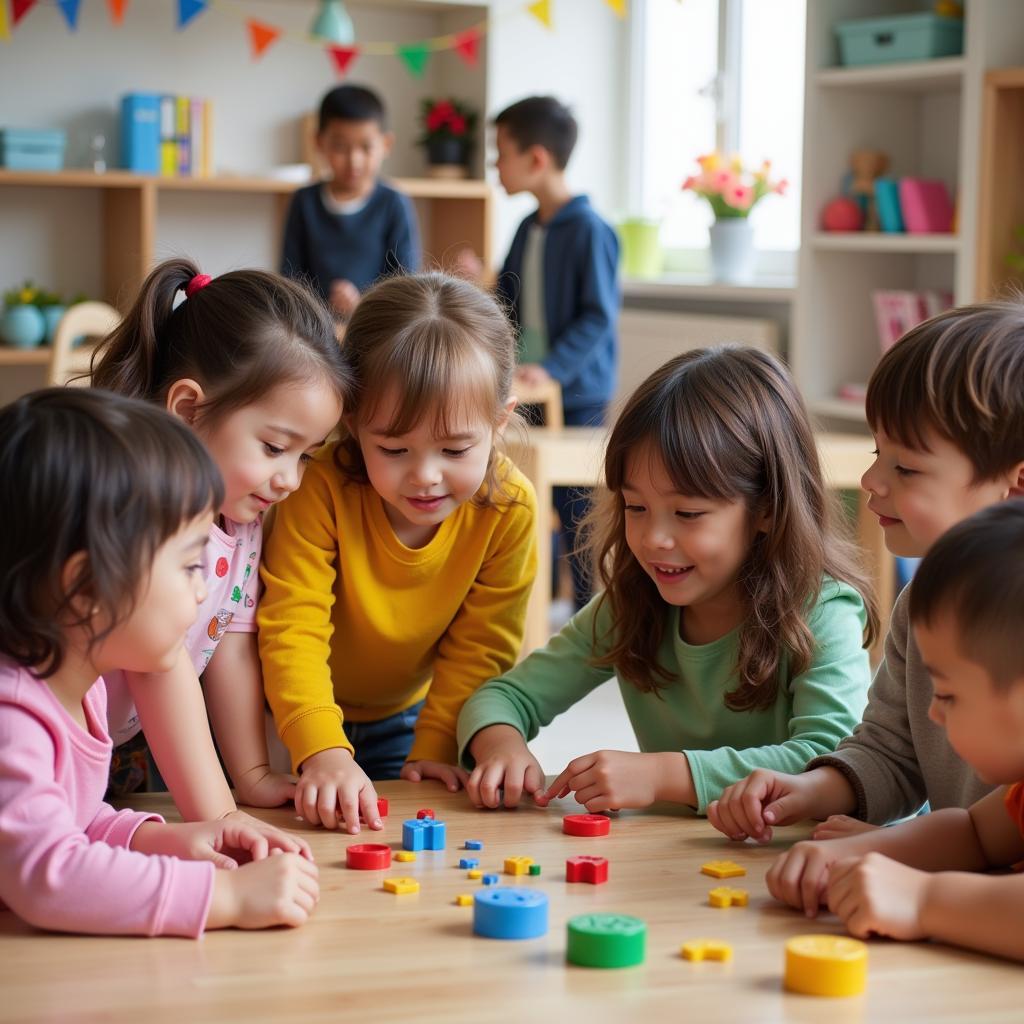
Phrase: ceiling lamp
(333,24)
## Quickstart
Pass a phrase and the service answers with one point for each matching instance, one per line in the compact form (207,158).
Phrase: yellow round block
(826,965)
(405,856)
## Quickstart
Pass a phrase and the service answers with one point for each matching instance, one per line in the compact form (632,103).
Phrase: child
(733,615)
(967,614)
(946,409)
(107,505)
(345,233)
(249,360)
(560,281)
(397,578)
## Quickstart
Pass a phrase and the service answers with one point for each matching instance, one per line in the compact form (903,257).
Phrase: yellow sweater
(353,623)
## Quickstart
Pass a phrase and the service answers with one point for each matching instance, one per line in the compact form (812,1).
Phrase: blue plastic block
(507,913)
(423,834)
(490,879)
(469,862)
(473,844)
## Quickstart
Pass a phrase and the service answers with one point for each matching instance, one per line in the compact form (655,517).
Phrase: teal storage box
(900,37)
(28,149)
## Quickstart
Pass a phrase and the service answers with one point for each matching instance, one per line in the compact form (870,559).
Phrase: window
(708,74)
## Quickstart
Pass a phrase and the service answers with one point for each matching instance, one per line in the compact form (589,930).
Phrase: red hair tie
(197,282)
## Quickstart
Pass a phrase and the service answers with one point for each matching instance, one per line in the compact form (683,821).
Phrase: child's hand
(344,297)
(875,895)
(531,375)
(277,839)
(331,780)
(281,889)
(800,876)
(838,826)
(608,780)
(223,842)
(764,798)
(451,775)
(503,761)
(260,787)
(466,264)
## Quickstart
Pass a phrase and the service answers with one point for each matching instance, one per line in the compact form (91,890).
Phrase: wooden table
(370,956)
(573,457)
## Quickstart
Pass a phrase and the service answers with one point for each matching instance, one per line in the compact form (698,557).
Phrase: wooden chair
(69,365)
(547,395)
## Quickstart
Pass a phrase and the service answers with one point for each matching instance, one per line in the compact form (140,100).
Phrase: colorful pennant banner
(117,8)
(188,9)
(69,8)
(343,56)
(261,35)
(19,8)
(5,32)
(541,10)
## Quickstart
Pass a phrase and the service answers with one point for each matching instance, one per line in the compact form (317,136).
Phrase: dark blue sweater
(380,239)
(581,300)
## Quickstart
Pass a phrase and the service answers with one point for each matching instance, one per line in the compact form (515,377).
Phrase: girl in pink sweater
(107,507)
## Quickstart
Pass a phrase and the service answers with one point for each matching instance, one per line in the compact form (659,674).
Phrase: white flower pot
(732,250)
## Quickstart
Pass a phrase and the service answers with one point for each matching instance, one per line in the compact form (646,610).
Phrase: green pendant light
(333,24)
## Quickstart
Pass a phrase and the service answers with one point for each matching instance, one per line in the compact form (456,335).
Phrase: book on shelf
(896,312)
(166,135)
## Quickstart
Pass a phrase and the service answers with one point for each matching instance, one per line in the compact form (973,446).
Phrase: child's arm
(233,684)
(483,641)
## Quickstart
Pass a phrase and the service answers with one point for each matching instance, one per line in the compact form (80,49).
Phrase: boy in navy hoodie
(560,279)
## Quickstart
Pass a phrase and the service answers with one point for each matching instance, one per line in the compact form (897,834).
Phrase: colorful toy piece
(463,900)
(534,869)
(405,856)
(507,913)
(706,949)
(517,865)
(368,857)
(723,896)
(400,886)
(469,862)
(472,844)
(423,834)
(490,879)
(826,965)
(474,873)
(382,806)
(723,869)
(606,940)
(586,824)
(425,812)
(587,869)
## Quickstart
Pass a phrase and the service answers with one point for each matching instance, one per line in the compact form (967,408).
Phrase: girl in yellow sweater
(396,578)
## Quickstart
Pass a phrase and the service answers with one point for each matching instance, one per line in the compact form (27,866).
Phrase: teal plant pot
(22,327)
(52,315)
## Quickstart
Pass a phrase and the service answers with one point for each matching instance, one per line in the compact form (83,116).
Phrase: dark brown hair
(351,103)
(972,573)
(541,121)
(448,349)
(727,423)
(960,376)
(242,335)
(83,470)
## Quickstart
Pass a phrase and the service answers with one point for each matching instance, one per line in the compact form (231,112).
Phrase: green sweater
(811,714)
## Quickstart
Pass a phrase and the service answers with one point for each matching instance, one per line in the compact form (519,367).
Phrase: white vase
(732,250)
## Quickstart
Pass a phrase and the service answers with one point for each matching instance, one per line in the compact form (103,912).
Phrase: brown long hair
(243,334)
(727,423)
(448,349)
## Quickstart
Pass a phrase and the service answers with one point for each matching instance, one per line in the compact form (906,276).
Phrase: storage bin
(28,149)
(899,37)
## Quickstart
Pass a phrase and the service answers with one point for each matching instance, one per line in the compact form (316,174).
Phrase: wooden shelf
(881,242)
(926,76)
(11,356)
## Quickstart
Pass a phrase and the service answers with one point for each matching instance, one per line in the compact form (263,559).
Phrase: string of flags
(263,34)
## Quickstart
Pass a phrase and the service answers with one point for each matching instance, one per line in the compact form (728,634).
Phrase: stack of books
(166,135)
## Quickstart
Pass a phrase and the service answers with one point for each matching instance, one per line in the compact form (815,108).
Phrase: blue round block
(508,913)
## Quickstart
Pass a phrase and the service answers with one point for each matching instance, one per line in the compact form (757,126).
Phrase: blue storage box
(899,37)
(29,149)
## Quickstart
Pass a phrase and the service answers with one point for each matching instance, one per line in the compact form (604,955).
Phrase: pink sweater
(64,858)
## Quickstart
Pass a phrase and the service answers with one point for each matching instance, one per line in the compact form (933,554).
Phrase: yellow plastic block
(723,869)
(475,873)
(826,965)
(518,865)
(706,949)
(463,900)
(405,856)
(401,885)
(723,896)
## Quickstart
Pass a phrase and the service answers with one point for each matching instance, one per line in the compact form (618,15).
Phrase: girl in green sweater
(734,613)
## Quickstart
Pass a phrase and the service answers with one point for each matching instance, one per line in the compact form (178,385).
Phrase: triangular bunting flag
(19,8)
(618,6)
(5,32)
(541,10)
(188,9)
(343,57)
(415,58)
(261,35)
(69,8)
(467,44)
(117,10)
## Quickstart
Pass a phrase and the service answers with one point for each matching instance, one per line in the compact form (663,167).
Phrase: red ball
(842,214)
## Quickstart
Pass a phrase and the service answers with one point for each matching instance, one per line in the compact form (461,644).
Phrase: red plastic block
(587,869)
(586,825)
(368,857)
(425,812)
(382,806)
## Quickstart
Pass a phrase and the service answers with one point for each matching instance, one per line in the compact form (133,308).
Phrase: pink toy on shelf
(926,206)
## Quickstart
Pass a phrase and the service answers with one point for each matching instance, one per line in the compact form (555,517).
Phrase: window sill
(697,287)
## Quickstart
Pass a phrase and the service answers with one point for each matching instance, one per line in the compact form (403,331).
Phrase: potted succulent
(31,315)
(732,192)
(449,129)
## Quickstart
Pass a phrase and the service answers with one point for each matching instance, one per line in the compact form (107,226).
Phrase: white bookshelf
(927,116)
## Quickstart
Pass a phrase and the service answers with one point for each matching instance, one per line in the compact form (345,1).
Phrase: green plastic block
(534,869)
(606,940)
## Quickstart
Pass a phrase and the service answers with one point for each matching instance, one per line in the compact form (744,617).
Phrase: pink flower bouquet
(732,190)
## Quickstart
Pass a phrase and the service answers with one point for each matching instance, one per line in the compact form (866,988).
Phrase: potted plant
(23,324)
(449,128)
(732,192)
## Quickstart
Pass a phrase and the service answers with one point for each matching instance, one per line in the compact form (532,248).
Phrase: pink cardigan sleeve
(57,875)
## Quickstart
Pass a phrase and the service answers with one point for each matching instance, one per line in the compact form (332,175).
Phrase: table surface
(369,955)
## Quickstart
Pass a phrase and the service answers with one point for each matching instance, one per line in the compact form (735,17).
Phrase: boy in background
(343,234)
